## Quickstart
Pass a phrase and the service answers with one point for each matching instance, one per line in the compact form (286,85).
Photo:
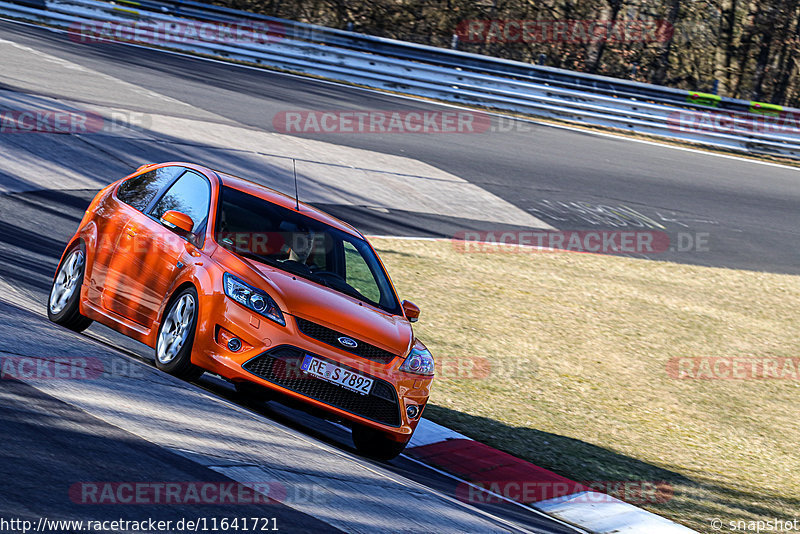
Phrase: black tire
(375,444)
(67,313)
(252,393)
(178,362)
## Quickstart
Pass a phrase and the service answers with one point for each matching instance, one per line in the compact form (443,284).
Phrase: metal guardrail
(444,57)
(422,71)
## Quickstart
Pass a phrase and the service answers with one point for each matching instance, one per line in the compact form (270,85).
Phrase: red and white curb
(514,479)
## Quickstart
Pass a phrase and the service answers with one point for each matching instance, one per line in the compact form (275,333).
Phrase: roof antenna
(296,197)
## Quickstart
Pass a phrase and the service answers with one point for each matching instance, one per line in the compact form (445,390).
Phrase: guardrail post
(762,108)
(703,99)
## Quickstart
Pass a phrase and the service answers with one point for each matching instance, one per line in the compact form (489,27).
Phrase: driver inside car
(302,245)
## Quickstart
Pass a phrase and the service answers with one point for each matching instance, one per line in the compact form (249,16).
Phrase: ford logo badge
(348,342)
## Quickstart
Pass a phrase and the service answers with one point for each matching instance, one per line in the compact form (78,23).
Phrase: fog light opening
(234,344)
(412,411)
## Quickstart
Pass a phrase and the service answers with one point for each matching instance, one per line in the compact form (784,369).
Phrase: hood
(308,300)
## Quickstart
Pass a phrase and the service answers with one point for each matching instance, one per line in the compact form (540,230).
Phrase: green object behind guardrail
(703,99)
(762,108)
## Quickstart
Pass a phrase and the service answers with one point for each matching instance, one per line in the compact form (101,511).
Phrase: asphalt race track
(136,424)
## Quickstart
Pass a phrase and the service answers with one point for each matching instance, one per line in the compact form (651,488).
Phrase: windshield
(293,242)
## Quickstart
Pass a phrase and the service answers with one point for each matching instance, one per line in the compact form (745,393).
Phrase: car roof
(276,197)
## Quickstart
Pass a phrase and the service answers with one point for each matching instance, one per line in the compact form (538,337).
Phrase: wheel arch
(173,295)
(76,240)
(185,368)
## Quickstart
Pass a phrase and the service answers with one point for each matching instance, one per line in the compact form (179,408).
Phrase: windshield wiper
(336,282)
(284,266)
(258,257)
(332,281)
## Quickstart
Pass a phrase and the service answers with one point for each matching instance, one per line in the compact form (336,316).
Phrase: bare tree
(749,46)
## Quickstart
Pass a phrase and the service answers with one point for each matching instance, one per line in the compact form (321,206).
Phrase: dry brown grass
(582,388)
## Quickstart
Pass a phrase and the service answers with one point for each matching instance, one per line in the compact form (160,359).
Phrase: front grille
(331,337)
(281,366)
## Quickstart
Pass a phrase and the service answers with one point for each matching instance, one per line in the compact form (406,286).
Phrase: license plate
(337,375)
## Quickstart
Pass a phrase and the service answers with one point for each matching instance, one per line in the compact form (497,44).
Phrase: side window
(358,274)
(191,195)
(140,190)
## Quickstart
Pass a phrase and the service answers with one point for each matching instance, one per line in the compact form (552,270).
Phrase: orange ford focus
(217,273)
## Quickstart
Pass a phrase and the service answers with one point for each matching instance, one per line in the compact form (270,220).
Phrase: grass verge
(580,347)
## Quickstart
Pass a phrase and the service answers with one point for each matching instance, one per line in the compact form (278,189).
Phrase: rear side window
(191,195)
(140,191)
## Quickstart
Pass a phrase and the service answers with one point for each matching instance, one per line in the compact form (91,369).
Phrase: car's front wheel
(63,306)
(176,336)
(375,444)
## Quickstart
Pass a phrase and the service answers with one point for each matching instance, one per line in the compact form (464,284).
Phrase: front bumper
(281,366)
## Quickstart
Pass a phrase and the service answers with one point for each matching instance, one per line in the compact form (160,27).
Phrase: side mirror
(175,219)
(411,311)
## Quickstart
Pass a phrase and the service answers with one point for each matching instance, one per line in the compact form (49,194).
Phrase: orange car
(217,273)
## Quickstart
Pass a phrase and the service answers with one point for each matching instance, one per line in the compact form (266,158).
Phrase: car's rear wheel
(63,305)
(176,336)
(376,444)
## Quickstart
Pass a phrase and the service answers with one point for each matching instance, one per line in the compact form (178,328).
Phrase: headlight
(252,298)
(418,361)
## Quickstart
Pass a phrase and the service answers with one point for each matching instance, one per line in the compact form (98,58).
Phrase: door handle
(130,232)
